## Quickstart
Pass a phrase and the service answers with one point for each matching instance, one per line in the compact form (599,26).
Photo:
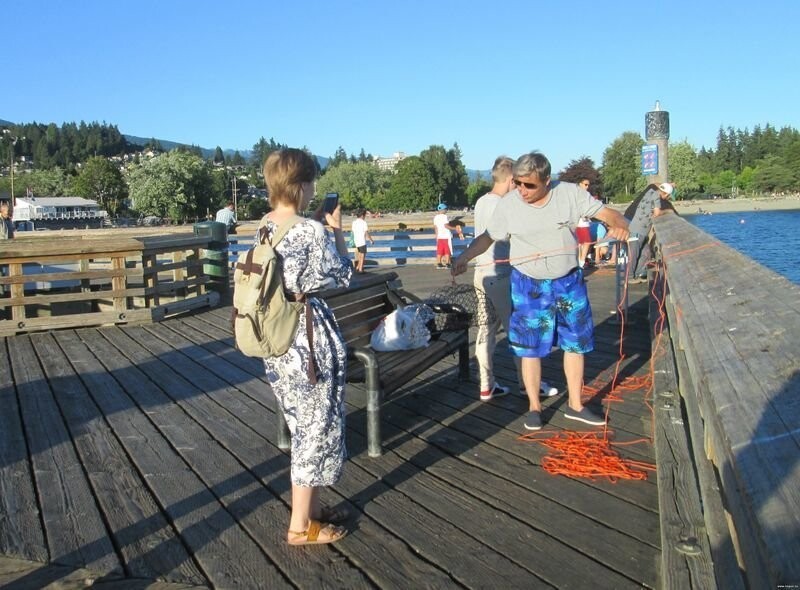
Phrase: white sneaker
(545,390)
(496,391)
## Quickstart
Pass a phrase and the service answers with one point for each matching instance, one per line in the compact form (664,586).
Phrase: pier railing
(727,378)
(74,281)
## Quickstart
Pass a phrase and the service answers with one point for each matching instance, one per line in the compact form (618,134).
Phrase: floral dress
(313,412)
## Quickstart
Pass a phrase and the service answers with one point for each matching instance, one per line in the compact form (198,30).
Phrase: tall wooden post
(656,124)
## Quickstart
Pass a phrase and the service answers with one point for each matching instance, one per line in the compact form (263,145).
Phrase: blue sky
(563,77)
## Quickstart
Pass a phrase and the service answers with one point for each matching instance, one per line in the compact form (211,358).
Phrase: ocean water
(771,238)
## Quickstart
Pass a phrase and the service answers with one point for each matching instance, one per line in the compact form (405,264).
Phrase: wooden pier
(146,456)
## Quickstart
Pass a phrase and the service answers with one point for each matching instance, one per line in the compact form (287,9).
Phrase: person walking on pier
(360,231)
(549,300)
(309,379)
(444,236)
(492,276)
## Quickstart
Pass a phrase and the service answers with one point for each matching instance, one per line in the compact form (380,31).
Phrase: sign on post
(649,159)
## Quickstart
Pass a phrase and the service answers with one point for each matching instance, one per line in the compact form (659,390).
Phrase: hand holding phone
(330,203)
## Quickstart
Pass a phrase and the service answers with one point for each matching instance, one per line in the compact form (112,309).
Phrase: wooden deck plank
(457,501)
(20,526)
(371,545)
(541,558)
(203,395)
(499,425)
(75,532)
(222,548)
(534,530)
(208,382)
(686,553)
(146,542)
(737,324)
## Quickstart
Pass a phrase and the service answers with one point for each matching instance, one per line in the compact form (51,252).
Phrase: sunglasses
(528,185)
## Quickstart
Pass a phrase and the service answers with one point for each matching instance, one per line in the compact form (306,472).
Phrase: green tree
(477,189)
(622,167)
(237,159)
(177,185)
(53,182)
(256,208)
(219,157)
(413,187)
(360,184)
(772,174)
(101,180)
(448,172)
(683,169)
(339,157)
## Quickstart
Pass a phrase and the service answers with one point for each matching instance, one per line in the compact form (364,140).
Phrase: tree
(448,172)
(413,187)
(683,169)
(582,168)
(102,181)
(621,166)
(477,189)
(237,159)
(339,157)
(53,182)
(219,157)
(177,185)
(359,185)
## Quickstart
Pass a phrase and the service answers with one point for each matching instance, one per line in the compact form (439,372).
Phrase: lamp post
(13,139)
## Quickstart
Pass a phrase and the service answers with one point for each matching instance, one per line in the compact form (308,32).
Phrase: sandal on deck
(334,514)
(310,536)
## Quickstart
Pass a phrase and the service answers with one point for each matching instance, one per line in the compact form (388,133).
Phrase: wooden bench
(358,310)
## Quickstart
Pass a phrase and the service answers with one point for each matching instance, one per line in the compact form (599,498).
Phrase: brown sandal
(310,536)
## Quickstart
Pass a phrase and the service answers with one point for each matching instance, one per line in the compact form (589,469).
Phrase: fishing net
(460,306)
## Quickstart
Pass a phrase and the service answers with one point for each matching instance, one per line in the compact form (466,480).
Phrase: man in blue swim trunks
(550,305)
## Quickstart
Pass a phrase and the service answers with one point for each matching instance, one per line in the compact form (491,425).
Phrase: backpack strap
(283,229)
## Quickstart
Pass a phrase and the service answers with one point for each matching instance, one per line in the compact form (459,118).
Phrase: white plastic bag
(403,329)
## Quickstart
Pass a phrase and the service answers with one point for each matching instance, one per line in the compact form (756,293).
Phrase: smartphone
(330,203)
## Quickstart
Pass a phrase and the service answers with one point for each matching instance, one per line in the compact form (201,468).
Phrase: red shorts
(584,234)
(443,247)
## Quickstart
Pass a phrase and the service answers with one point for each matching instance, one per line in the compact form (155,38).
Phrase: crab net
(460,306)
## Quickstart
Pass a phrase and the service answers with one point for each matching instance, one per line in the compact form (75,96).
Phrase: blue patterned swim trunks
(550,312)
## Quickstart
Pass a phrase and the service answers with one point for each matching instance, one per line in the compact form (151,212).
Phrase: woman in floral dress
(311,260)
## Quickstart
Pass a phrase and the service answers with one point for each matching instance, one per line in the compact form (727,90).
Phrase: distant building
(57,209)
(389,163)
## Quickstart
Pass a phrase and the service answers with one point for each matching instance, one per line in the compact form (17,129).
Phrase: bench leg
(284,442)
(463,361)
(374,422)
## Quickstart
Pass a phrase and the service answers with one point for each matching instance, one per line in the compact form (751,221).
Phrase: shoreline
(738,205)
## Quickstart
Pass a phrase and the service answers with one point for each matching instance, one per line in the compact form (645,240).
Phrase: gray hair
(533,163)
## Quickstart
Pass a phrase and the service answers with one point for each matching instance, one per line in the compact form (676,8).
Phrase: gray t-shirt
(484,210)
(543,242)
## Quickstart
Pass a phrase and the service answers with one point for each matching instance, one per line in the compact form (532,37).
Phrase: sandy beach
(739,205)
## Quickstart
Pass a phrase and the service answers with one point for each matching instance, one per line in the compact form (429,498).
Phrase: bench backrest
(361,307)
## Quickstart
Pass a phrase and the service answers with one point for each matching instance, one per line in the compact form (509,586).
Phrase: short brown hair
(502,168)
(285,171)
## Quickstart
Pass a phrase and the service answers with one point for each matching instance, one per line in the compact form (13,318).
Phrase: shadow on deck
(129,455)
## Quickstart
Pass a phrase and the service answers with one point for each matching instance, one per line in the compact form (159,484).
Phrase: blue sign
(649,159)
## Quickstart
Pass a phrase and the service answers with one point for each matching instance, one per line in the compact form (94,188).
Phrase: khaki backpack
(264,320)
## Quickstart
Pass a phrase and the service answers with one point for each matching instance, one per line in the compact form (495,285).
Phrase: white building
(391,162)
(56,209)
